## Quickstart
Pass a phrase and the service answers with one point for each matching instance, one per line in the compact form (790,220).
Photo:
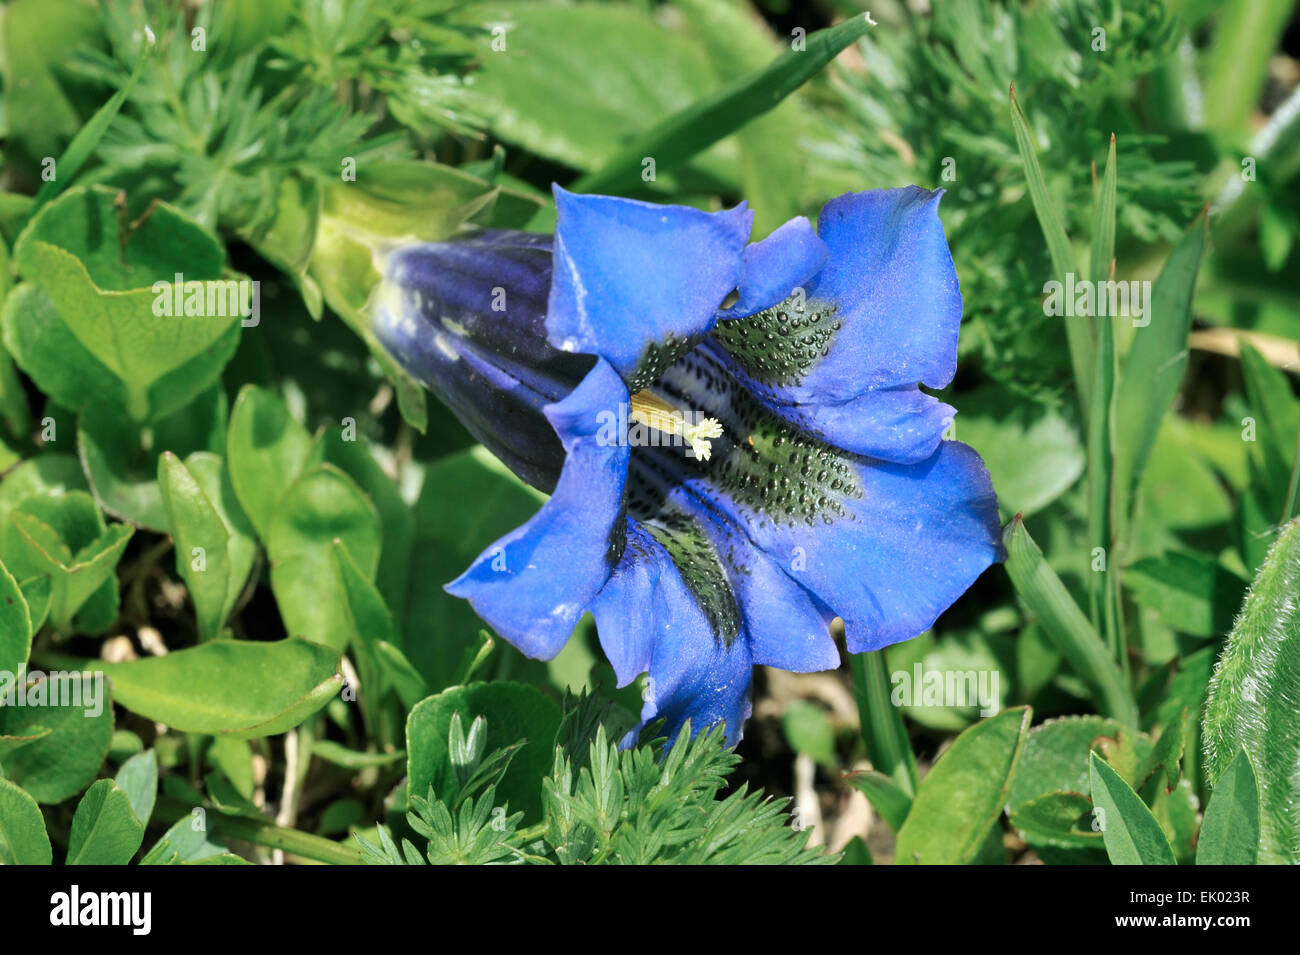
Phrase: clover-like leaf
(237,687)
(215,549)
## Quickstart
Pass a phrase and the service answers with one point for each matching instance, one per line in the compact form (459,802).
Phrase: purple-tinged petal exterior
(637,283)
(534,584)
(468,320)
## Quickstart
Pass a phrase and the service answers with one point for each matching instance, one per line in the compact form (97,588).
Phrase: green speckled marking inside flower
(767,466)
(657,357)
(781,344)
(688,545)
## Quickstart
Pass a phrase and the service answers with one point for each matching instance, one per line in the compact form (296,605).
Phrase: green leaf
(575,82)
(105,830)
(999,425)
(1230,832)
(265,451)
(1056,757)
(112,287)
(186,841)
(340,755)
(44,474)
(883,731)
(1048,600)
(1082,347)
(397,526)
(856,853)
(692,130)
(1251,702)
(242,688)
(1236,63)
(958,652)
(45,347)
(23,840)
(37,594)
(1191,592)
(961,798)
(1153,368)
(890,801)
(121,457)
(1102,586)
(233,758)
(438,627)
(1274,423)
(771,172)
(513,712)
(1103,223)
(54,750)
(38,34)
(1162,768)
(16,629)
(1057,819)
(215,549)
(65,538)
(138,778)
(88,137)
(809,731)
(323,506)
(368,625)
(1131,833)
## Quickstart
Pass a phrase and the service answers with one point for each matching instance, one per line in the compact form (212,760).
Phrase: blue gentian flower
(733,435)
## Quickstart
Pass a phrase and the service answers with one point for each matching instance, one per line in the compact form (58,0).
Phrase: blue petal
(786,626)
(534,584)
(694,674)
(892,279)
(903,425)
(637,283)
(915,538)
(698,678)
(773,268)
(648,618)
(886,546)
(630,611)
(881,316)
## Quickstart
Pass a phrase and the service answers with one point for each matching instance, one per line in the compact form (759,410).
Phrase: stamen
(654,412)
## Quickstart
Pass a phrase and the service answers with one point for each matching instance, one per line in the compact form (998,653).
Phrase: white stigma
(654,412)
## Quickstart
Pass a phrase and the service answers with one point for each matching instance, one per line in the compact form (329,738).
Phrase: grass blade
(1058,247)
(1154,365)
(1101,419)
(88,137)
(883,731)
(1066,625)
(696,128)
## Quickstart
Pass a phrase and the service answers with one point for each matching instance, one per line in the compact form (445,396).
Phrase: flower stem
(268,834)
(882,725)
